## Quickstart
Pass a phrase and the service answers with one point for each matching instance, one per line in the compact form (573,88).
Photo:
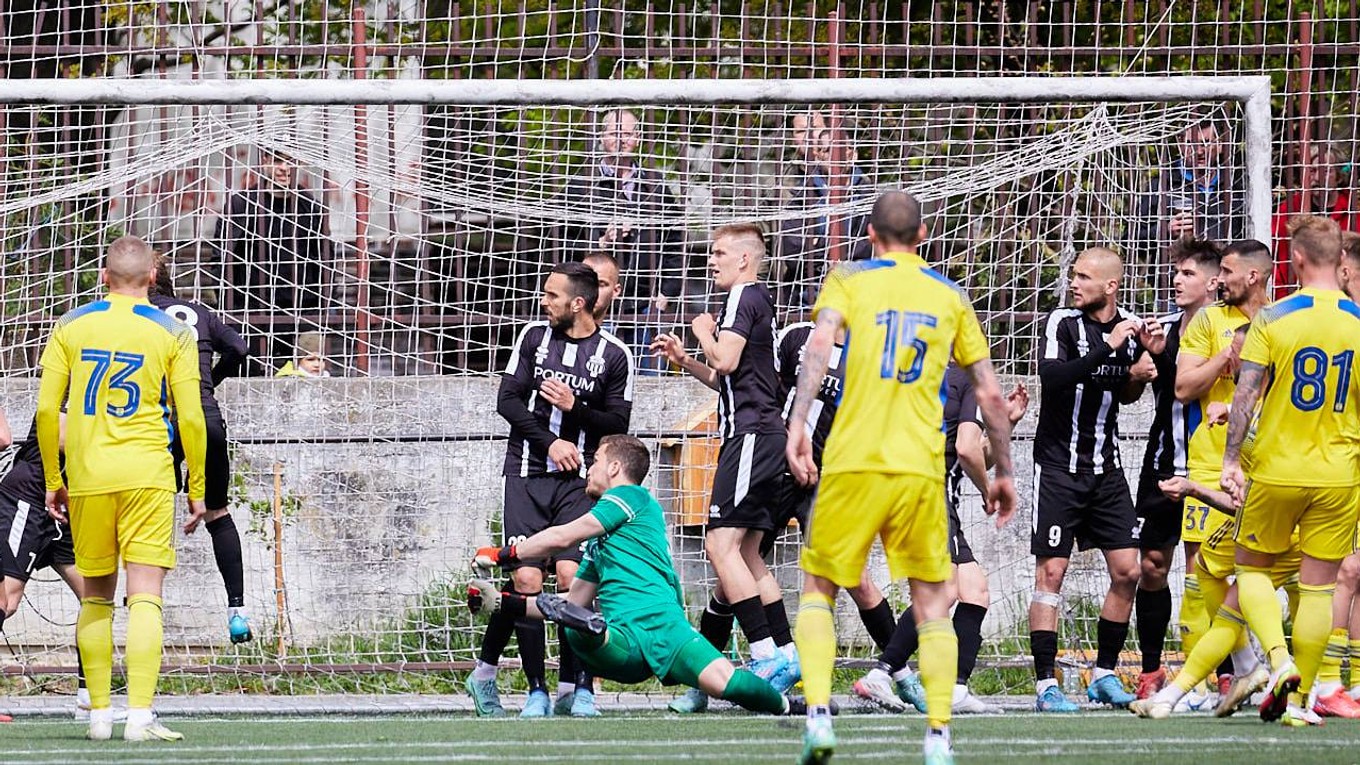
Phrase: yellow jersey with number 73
(903,323)
(122,363)
(1308,426)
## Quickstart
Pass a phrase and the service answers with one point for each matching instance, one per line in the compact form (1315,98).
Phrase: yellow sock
(815,636)
(1212,649)
(1215,592)
(1311,628)
(1194,618)
(939,667)
(1291,594)
(1261,608)
(143,653)
(94,640)
(1330,669)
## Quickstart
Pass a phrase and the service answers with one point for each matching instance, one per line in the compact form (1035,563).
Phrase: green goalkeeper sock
(753,693)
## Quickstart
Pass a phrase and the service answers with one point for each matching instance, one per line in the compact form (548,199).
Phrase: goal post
(406,243)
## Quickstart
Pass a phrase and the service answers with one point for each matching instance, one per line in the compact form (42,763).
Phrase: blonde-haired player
(883,467)
(1303,470)
(125,364)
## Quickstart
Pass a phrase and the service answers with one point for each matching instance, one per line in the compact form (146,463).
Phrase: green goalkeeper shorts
(667,648)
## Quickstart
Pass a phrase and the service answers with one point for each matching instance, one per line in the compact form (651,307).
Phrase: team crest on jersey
(540,354)
(595,365)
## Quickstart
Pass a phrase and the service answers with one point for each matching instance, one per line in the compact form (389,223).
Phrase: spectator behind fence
(1326,196)
(275,240)
(804,243)
(310,360)
(1197,196)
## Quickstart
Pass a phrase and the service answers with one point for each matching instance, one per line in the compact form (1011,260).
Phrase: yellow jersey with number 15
(125,363)
(1309,421)
(903,323)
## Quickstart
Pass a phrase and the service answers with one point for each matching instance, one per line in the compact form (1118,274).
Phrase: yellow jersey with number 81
(903,322)
(1309,422)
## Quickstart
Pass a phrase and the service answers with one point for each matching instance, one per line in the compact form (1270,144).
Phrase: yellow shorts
(1218,555)
(906,511)
(1325,517)
(1200,520)
(137,525)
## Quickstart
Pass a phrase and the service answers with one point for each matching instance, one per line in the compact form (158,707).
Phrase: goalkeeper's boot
(690,702)
(1283,682)
(142,725)
(101,725)
(238,626)
(792,672)
(537,705)
(938,749)
(1108,690)
(819,741)
(1240,691)
(556,608)
(485,698)
(876,687)
(1051,699)
(1152,708)
(769,667)
(583,703)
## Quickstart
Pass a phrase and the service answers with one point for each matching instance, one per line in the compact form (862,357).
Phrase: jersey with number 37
(127,363)
(1309,423)
(904,321)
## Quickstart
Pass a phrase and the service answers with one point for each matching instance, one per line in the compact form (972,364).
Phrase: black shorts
(1095,510)
(538,502)
(217,471)
(30,539)
(960,552)
(1159,518)
(747,482)
(794,504)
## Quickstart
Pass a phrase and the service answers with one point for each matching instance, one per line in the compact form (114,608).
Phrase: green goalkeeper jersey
(631,561)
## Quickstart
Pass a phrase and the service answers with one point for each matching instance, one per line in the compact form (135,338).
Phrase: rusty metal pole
(1306,110)
(362,317)
(280,596)
(836,224)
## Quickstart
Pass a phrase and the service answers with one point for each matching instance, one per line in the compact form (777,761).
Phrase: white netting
(413,240)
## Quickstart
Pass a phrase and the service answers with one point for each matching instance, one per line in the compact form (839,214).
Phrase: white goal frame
(1252,92)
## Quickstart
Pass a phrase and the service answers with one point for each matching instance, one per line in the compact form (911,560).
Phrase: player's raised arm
(544,544)
(672,348)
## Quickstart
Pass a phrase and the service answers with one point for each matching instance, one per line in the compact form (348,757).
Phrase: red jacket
(1341,212)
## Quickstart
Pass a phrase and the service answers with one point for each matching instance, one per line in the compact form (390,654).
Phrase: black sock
(778,619)
(1153,609)
(533,650)
(80,670)
(1226,668)
(567,665)
(1044,645)
(902,644)
(751,616)
(715,624)
(1110,637)
(226,544)
(500,628)
(879,623)
(968,626)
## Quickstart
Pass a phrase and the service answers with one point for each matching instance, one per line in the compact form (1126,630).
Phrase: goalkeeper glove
(484,599)
(489,558)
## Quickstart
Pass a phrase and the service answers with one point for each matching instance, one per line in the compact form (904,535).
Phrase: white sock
(565,689)
(1044,685)
(1170,694)
(902,674)
(83,698)
(1244,661)
(483,671)
(763,649)
(790,650)
(140,717)
(1099,672)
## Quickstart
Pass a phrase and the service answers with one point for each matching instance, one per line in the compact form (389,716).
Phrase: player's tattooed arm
(1250,382)
(816,359)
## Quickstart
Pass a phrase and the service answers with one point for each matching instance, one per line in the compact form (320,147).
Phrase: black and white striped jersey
(748,398)
(213,336)
(22,479)
(788,359)
(1166,448)
(1082,378)
(599,371)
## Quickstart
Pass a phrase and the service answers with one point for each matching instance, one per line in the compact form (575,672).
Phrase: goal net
(401,231)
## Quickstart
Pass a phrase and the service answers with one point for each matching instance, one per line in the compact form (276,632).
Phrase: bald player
(606,270)
(1080,493)
(125,364)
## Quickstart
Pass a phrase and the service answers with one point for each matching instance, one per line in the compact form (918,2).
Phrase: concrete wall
(388,484)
